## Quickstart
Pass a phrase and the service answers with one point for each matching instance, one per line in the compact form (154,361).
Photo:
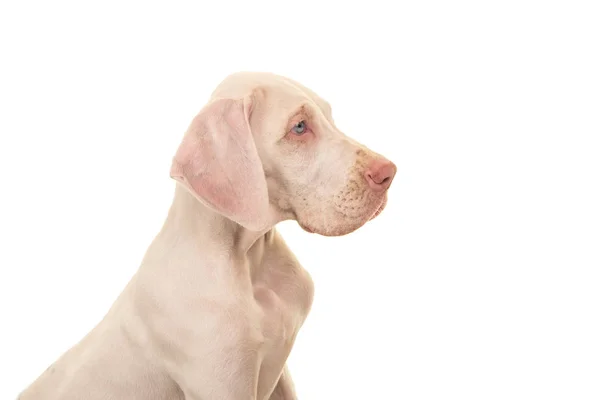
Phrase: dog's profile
(213,311)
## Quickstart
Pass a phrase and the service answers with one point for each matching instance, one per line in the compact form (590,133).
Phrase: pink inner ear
(218,162)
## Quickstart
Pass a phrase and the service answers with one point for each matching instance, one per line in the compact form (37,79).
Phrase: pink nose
(380,174)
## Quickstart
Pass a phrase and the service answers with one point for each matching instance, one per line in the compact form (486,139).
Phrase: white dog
(213,311)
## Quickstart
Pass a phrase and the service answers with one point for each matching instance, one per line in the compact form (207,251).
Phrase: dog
(215,307)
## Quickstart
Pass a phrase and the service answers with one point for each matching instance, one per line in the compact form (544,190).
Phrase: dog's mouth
(306,228)
(380,208)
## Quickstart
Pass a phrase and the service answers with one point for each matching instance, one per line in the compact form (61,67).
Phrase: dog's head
(265,149)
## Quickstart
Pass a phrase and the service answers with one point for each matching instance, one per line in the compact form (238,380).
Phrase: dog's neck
(189,218)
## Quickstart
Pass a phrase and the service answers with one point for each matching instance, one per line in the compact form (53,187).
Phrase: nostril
(380,174)
(378,179)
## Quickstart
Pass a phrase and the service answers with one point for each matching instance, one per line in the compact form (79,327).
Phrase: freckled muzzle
(354,194)
(365,195)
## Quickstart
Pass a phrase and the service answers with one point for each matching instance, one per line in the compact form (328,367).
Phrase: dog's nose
(380,174)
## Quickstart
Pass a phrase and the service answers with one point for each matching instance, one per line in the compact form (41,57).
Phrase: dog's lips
(382,205)
(306,228)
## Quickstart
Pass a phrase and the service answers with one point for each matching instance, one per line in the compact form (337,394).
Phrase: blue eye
(299,128)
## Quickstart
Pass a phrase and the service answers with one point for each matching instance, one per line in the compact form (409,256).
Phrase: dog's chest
(283,309)
(283,291)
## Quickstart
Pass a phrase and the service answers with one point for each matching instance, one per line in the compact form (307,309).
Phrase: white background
(479,281)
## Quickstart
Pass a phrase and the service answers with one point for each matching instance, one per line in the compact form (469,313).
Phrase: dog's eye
(299,128)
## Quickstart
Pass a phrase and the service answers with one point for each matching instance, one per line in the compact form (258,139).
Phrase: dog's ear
(218,163)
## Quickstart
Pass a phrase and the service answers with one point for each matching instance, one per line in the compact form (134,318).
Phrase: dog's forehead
(285,90)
